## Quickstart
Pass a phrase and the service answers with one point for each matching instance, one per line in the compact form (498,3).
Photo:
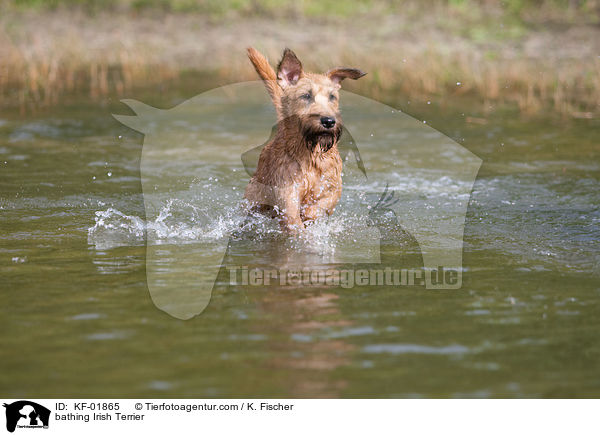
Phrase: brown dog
(299,173)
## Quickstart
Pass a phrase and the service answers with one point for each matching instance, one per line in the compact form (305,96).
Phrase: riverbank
(487,55)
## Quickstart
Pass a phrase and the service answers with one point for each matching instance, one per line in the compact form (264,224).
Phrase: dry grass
(48,55)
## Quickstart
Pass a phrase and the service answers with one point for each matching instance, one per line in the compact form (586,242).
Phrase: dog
(299,174)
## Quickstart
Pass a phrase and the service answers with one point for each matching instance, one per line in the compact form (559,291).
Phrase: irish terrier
(299,174)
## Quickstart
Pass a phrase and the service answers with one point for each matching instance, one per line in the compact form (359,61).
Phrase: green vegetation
(582,9)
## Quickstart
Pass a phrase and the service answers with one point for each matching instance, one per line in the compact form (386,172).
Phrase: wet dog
(299,174)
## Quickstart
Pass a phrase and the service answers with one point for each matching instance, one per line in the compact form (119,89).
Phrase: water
(78,319)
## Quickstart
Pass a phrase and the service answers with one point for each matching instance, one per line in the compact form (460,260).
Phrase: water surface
(78,320)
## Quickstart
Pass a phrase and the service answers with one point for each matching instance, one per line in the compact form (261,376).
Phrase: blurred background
(538,55)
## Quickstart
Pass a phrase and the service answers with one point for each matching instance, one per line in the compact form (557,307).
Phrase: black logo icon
(26,414)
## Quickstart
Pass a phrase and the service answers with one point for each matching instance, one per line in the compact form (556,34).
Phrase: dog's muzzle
(326,142)
(325,139)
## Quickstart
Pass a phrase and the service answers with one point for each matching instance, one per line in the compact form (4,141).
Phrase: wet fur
(299,173)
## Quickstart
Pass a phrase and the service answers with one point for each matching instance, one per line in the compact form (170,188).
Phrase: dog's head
(312,100)
(307,100)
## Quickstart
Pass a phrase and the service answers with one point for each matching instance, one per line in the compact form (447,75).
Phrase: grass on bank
(54,48)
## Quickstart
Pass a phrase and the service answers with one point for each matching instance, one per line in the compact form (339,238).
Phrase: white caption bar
(247,416)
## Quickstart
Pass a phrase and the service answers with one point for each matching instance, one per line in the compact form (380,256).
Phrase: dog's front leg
(289,210)
(312,212)
(324,206)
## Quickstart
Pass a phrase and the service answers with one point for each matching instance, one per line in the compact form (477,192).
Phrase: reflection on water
(78,320)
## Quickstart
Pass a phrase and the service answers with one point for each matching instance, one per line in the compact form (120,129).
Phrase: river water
(80,249)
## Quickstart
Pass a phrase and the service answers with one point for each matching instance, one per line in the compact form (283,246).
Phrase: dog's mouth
(321,138)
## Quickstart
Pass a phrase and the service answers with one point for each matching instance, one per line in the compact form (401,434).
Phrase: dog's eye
(306,96)
(332,97)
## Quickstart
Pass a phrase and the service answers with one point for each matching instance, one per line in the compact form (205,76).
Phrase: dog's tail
(268,76)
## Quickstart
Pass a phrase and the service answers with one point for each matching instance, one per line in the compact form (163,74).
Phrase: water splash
(178,221)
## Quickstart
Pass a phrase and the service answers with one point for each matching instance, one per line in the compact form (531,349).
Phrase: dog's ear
(261,65)
(336,75)
(289,70)
(267,74)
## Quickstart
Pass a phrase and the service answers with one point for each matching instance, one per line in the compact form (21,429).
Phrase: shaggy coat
(299,173)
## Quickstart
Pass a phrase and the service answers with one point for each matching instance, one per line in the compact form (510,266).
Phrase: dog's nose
(327,122)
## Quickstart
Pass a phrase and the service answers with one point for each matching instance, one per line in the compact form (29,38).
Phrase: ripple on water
(87,316)
(408,348)
(160,385)
(355,331)
(302,338)
(102,336)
